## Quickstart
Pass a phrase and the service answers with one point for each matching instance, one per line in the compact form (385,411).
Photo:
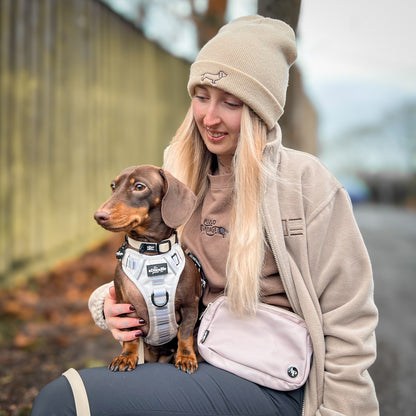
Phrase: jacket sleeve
(96,304)
(341,271)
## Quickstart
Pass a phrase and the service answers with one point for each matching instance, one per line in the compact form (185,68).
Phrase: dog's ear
(178,202)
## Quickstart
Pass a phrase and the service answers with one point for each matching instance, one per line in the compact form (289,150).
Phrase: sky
(368,39)
(359,69)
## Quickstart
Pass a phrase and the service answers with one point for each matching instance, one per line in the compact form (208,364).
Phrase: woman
(271,225)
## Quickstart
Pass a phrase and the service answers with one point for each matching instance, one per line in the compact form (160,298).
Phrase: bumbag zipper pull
(204,337)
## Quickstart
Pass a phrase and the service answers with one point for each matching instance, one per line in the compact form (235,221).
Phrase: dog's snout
(101,216)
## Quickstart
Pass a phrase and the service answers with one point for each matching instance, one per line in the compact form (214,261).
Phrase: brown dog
(148,204)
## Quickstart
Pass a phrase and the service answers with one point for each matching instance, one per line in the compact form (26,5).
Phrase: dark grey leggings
(161,389)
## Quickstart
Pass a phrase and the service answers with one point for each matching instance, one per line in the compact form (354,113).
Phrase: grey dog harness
(157,278)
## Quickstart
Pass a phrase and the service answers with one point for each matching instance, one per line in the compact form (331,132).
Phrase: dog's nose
(101,216)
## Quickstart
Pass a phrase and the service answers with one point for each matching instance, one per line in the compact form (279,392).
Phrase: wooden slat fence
(82,96)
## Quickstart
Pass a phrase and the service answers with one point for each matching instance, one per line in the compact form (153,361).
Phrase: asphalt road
(390,235)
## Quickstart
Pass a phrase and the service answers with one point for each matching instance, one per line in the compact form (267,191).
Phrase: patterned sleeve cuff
(96,304)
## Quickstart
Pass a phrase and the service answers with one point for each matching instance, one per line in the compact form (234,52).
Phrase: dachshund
(153,273)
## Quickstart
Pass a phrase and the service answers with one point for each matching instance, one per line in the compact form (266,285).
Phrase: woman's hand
(123,328)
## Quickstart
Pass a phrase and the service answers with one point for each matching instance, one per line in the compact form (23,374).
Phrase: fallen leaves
(46,327)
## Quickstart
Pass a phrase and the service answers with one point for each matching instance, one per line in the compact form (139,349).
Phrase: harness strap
(200,270)
(82,405)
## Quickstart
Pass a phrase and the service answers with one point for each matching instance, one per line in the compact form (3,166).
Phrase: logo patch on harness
(157,269)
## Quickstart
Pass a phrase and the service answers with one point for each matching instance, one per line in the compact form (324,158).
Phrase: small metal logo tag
(292,372)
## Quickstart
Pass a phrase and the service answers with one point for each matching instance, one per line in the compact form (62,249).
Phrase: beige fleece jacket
(327,275)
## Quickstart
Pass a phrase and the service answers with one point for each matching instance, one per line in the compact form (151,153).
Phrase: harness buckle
(161,305)
(159,245)
(121,251)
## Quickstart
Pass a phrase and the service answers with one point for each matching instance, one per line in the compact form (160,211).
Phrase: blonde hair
(190,161)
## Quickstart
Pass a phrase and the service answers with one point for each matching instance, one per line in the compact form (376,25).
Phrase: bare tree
(286,10)
(299,123)
(210,22)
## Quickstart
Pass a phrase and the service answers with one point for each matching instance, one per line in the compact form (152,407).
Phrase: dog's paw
(186,363)
(124,363)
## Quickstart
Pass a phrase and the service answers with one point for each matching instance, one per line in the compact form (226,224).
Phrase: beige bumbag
(272,348)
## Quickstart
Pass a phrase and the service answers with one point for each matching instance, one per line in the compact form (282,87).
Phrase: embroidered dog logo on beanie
(213,78)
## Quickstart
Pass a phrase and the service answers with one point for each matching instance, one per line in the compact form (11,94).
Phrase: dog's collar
(144,247)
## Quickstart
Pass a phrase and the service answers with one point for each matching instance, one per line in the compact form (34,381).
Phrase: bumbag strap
(82,405)
(141,351)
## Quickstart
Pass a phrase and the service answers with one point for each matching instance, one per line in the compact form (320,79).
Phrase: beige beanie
(250,58)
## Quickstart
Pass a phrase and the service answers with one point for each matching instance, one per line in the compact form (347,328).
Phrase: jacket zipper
(276,252)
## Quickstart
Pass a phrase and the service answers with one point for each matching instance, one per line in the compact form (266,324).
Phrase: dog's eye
(113,186)
(139,186)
